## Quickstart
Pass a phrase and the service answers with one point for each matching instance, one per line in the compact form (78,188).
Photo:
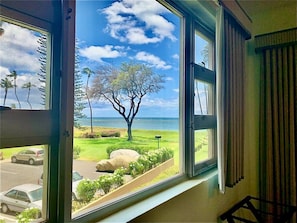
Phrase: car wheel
(4,208)
(31,161)
(13,159)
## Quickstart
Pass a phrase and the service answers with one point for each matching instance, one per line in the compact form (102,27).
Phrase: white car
(21,197)
(76,178)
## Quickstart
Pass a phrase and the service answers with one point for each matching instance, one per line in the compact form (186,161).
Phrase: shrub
(118,177)
(76,152)
(105,183)
(28,215)
(86,190)
(149,160)
(140,150)
(90,135)
(110,133)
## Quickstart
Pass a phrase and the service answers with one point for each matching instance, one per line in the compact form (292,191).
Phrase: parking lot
(13,174)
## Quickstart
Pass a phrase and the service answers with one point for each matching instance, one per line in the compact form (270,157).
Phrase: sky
(107,32)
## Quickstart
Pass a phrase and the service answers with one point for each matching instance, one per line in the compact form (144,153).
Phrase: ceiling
(253,7)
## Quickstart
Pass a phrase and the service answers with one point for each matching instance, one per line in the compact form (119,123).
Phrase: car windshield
(35,195)
(76,176)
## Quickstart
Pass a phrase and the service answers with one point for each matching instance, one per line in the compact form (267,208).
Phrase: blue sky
(139,31)
(107,32)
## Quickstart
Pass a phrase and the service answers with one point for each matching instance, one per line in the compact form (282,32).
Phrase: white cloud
(152,60)
(18,49)
(138,22)
(96,53)
(175,56)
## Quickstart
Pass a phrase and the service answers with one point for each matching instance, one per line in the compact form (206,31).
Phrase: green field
(94,149)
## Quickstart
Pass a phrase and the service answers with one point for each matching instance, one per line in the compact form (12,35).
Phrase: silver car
(32,156)
(76,178)
(21,197)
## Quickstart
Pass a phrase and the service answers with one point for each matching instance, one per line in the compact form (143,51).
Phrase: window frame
(201,122)
(47,18)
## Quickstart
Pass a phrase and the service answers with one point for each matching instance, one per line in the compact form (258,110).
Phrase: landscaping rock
(110,165)
(124,152)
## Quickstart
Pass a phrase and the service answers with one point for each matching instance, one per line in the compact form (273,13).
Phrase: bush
(28,215)
(86,190)
(76,152)
(115,180)
(140,150)
(110,133)
(149,160)
(104,183)
(90,135)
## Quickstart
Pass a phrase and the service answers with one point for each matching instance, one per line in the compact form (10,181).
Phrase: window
(204,103)
(25,72)
(126,39)
(29,104)
(177,103)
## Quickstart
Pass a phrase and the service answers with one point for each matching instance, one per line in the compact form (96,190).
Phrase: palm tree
(14,75)
(6,84)
(89,72)
(29,86)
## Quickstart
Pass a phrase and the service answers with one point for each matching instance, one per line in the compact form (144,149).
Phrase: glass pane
(204,98)
(21,186)
(203,145)
(203,51)
(128,55)
(24,67)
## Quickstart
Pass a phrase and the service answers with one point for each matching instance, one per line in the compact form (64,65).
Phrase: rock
(124,152)
(110,165)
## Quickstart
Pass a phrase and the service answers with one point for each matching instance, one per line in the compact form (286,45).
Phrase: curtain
(220,96)
(278,116)
(230,99)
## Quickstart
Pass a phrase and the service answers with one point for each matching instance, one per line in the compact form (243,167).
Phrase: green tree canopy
(125,88)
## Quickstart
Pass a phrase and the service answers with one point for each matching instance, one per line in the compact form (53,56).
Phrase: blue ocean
(138,123)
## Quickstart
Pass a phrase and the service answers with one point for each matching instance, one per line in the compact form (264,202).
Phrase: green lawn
(94,149)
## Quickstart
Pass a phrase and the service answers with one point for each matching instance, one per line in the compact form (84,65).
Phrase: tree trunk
(129,131)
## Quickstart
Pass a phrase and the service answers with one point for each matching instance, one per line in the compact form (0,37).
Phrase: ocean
(138,123)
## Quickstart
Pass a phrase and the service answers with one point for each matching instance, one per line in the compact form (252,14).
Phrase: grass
(94,149)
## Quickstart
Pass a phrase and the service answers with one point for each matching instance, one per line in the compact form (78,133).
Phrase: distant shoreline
(146,123)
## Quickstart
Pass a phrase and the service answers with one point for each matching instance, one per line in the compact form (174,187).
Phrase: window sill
(139,208)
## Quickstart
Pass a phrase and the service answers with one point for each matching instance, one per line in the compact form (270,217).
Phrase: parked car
(21,197)
(32,156)
(76,178)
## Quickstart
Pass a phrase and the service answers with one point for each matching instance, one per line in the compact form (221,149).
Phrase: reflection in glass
(203,51)
(203,100)
(22,168)
(24,73)
(203,145)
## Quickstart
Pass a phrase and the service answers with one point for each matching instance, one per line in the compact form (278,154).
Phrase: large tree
(6,84)
(14,75)
(28,85)
(125,88)
(42,50)
(79,94)
(89,72)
